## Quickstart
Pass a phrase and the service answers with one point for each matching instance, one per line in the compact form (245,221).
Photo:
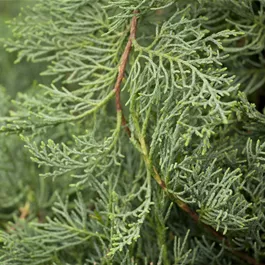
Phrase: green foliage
(21,76)
(94,194)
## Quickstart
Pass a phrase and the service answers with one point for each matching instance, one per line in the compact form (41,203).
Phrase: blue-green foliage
(184,90)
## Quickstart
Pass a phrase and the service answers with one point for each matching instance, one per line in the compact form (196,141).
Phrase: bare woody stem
(122,67)
(182,205)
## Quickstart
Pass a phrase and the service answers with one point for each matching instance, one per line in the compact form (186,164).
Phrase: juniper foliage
(182,181)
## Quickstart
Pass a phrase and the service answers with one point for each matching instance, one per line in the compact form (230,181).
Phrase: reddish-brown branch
(196,218)
(122,67)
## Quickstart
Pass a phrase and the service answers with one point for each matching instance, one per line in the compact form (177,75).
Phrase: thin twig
(122,67)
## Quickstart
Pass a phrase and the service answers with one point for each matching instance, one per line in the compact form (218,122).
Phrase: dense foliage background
(19,185)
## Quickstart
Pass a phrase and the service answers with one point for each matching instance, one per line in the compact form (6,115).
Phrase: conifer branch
(182,205)
(185,207)
(217,235)
(122,67)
